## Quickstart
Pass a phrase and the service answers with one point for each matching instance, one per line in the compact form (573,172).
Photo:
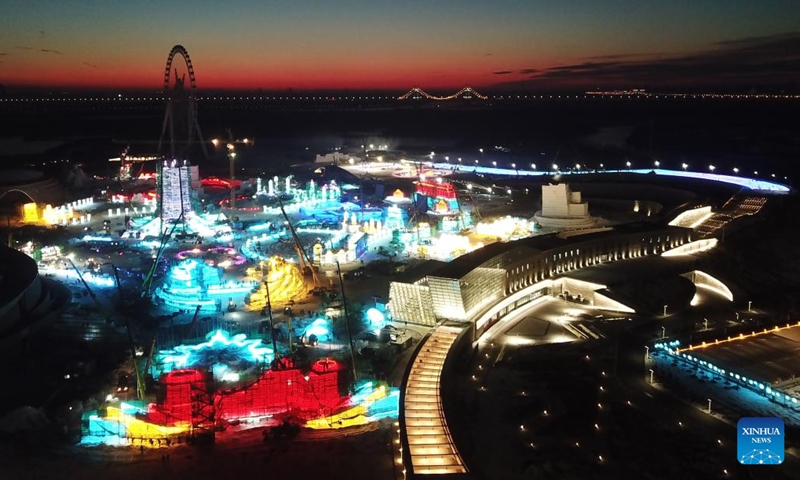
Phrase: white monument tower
(563,208)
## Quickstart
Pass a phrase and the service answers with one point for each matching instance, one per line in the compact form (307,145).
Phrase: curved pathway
(431,449)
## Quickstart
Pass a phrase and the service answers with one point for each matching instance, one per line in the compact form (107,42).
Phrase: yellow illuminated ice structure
(30,213)
(357,415)
(349,418)
(285,280)
(505,228)
(49,214)
(135,428)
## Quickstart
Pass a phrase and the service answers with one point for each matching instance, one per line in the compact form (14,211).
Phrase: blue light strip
(749,183)
(757,386)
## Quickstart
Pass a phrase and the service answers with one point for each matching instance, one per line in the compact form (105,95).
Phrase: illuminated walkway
(431,448)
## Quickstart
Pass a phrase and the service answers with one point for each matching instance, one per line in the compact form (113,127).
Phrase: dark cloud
(90,64)
(524,71)
(623,56)
(43,50)
(757,60)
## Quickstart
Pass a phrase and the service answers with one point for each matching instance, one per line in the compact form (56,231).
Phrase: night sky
(390,44)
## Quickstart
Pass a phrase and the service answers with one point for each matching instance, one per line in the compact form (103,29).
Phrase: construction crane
(140,385)
(305,262)
(148,279)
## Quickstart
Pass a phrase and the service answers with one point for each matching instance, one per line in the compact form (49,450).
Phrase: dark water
(748,135)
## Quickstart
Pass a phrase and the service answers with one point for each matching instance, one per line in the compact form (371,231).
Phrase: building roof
(769,357)
(500,254)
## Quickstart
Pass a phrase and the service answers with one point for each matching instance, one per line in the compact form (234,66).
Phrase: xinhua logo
(760,441)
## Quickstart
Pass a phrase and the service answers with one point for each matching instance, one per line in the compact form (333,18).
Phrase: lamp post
(665,310)
(663,332)
(231,157)
(705,324)
(684,166)
(347,321)
(231,148)
(646,353)
(651,376)
(749,305)
(709,406)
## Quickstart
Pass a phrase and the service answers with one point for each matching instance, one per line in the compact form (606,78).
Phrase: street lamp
(749,305)
(684,166)
(663,332)
(705,324)
(555,167)
(533,166)
(628,164)
(657,163)
(646,353)
(651,376)
(709,406)
(712,167)
(735,170)
(231,147)
(665,310)
(494,164)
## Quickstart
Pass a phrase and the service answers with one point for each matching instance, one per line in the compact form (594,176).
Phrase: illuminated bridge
(428,447)
(466,93)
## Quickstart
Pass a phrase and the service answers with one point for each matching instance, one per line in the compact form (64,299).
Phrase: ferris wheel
(180,119)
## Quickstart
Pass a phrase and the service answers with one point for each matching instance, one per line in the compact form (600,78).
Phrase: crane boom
(301,253)
(140,390)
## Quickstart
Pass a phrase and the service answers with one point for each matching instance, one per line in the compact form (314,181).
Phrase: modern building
(563,208)
(28,302)
(487,283)
(20,186)
(739,360)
